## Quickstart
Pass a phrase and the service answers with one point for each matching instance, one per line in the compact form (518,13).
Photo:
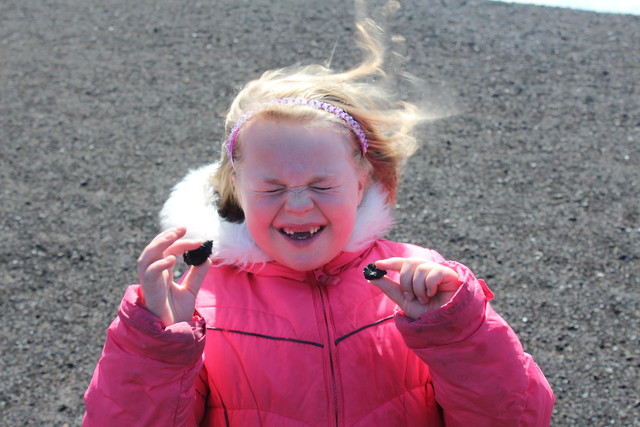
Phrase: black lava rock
(371,272)
(200,255)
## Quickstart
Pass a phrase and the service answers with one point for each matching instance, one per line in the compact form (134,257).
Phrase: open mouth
(300,234)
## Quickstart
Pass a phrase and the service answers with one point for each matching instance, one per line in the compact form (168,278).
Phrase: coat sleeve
(146,374)
(481,375)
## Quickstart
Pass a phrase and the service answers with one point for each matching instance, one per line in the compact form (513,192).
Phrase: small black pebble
(200,255)
(371,272)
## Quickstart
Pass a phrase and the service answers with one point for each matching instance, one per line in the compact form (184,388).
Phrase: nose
(298,201)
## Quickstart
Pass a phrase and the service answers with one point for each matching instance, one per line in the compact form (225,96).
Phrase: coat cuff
(140,331)
(453,322)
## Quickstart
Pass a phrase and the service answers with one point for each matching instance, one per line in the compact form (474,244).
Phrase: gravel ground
(533,183)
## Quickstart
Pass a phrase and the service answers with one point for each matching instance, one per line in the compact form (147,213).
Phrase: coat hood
(192,204)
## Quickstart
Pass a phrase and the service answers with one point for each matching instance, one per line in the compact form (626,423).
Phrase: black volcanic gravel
(533,183)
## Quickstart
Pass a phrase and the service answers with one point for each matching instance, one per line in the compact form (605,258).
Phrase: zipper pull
(325,279)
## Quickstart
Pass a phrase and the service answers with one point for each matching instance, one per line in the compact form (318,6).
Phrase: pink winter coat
(272,346)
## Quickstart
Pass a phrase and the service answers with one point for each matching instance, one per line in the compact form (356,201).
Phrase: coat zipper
(334,387)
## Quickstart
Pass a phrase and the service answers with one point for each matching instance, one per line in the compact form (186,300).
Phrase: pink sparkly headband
(353,124)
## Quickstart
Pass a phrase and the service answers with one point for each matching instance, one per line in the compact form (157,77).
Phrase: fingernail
(421,300)
(408,296)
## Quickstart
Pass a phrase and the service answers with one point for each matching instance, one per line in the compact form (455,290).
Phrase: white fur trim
(373,220)
(192,205)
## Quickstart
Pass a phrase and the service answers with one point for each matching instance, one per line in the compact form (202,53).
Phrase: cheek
(343,212)
(259,210)
(260,216)
(258,224)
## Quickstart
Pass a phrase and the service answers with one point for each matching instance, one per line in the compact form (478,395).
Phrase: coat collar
(192,204)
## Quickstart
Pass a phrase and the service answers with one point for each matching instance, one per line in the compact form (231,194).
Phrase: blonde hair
(387,123)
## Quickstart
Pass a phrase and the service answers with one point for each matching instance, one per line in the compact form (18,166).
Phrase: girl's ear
(363,183)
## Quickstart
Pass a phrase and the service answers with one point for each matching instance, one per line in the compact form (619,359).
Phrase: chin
(303,264)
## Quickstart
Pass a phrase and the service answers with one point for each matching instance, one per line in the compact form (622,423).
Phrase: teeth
(291,232)
(300,235)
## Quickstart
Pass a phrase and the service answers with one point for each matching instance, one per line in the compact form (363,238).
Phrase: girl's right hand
(170,301)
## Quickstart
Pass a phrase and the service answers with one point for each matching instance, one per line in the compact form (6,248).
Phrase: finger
(406,267)
(195,276)
(390,289)
(433,280)
(169,235)
(447,279)
(154,287)
(181,246)
(408,279)
(155,249)
(419,282)
(153,281)
(153,273)
(394,263)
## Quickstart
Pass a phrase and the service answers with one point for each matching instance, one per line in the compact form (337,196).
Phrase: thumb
(390,289)
(195,276)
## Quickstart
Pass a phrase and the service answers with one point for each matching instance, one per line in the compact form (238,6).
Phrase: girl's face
(300,189)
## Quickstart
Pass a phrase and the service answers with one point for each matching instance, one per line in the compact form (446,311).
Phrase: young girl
(279,326)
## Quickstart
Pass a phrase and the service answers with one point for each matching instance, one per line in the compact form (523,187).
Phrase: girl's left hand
(424,285)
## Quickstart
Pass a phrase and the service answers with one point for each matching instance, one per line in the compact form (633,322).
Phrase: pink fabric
(146,372)
(320,348)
